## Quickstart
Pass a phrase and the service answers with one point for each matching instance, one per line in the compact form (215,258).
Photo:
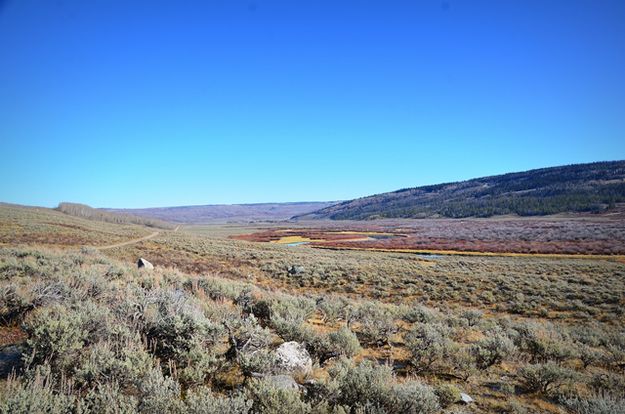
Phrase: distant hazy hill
(573,188)
(227,212)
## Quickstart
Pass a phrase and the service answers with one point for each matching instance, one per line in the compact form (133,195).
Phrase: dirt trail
(126,243)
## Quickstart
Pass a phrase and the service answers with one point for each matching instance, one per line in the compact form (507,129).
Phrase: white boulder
(293,358)
(466,398)
(144,264)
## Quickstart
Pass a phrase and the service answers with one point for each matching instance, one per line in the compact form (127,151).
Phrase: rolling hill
(226,212)
(594,187)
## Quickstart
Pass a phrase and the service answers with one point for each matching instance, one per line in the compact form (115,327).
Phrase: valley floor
(385,329)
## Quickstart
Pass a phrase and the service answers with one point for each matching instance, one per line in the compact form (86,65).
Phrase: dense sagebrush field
(84,331)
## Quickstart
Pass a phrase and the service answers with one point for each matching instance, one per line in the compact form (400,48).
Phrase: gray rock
(466,398)
(10,359)
(142,263)
(293,358)
(283,382)
(295,270)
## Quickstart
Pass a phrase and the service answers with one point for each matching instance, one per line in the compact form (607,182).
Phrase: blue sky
(139,104)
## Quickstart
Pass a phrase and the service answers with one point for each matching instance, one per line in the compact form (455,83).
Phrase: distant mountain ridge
(593,187)
(227,212)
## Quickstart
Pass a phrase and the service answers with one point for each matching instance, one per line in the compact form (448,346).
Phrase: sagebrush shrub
(493,349)
(376,324)
(428,344)
(268,399)
(54,333)
(596,405)
(608,383)
(107,398)
(472,316)
(38,395)
(246,336)
(357,384)
(419,313)
(159,394)
(261,361)
(412,397)
(332,309)
(543,343)
(202,401)
(344,343)
(447,394)
(544,378)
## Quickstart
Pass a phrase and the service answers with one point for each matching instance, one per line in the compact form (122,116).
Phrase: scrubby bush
(543,343)
(268,399)
(107,398)
(246,336)
(203,401)
(596,405)
(344,343)
(491,350)
(369,387)
(472,316)
(178,332)
(339,343)
(332,309)
(38,395)
(591,356)
(14,303)
(544,378)
(291,329)
(105,361)
(354,385)
(412,397)
(419,313)
(447,394)
(428,344)
(54,333)
(608,383)
(376,324)
(261,361)
(159,394)
(292,308)
(459,361)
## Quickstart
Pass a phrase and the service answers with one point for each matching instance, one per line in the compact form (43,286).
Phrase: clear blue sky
(138,104)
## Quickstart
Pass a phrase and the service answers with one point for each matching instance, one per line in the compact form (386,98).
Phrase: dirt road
(126,243)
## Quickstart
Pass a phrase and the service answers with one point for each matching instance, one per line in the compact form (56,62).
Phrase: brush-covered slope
(591,187)
(84,211)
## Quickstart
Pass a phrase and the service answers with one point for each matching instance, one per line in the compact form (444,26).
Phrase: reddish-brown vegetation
(554,236)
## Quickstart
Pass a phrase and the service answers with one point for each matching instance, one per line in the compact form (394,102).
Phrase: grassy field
(387,331)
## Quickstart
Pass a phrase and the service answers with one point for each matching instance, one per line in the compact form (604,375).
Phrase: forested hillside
(594,187)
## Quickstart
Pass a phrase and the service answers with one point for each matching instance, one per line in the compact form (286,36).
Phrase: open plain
(521,327)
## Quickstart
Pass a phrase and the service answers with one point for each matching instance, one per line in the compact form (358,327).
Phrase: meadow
(83,330)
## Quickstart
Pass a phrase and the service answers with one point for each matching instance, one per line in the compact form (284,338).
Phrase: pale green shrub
(107,398)
(448,394)
(159,394)
(203,401)
(267,399)
(596,405)
(493,349)
(428,344)
(544,378)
